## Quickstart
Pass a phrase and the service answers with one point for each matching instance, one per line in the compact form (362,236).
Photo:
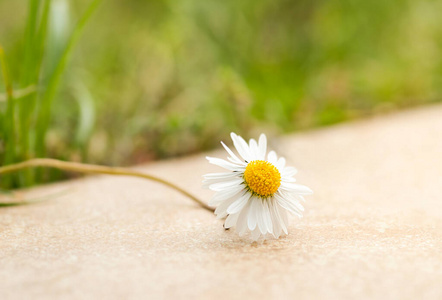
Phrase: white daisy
(257,193)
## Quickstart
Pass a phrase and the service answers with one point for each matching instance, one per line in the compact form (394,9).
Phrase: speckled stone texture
(372,230)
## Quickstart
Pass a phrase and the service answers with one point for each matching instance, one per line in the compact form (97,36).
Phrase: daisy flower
(256,194)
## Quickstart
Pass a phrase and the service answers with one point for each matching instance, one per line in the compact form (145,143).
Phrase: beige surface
(373,228)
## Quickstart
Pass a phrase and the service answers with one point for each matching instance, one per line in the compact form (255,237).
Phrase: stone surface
(373,228)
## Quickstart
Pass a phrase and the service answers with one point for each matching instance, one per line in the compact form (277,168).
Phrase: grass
(154,79)
(27,118)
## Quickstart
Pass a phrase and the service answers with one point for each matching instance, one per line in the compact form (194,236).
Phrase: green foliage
(27,118)
(153,79)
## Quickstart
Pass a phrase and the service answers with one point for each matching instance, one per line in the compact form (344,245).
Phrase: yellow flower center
(262,178)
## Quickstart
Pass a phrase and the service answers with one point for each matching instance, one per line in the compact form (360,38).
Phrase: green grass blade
(9,117)
(44,115)
(35,40)
(86,117)
(21,93)
(27,66)
(9,124)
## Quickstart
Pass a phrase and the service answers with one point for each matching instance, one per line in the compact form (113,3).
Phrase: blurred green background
(152,79)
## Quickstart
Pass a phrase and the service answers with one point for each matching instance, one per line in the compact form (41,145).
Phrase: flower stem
(95,169)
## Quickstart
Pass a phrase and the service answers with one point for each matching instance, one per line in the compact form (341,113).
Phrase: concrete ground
(372,229)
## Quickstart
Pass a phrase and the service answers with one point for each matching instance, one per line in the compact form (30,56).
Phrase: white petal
(238,204)
(260,217)
(256,234)
(289,171)
(296,188)
(262,146)
(241,225)
(298,205)
(282,213)
(253,147)
(231,220)
(288,205)
(241,146)
(221,210)
(272,158)
(294,199)
(226,185)
(225,164)
(235,158)
(223,196)
(220,175)
(267,217)
(288,179)
(213,179)
(251,216)
(276,220)
(280,164)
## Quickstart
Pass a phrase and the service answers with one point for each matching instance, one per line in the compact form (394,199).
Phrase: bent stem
(95,169)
